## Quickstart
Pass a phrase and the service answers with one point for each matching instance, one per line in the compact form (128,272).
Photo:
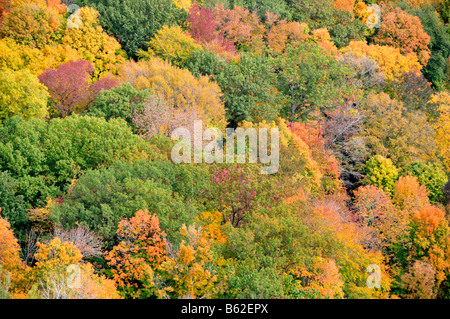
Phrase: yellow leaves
(93,44)
(409,195)
(442,125)
(183,4)
(179,88)
(171,43)
(390,60)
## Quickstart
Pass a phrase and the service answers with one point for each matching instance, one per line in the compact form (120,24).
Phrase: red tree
(69,86)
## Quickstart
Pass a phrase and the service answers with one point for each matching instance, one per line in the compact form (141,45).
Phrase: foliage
(69,86)
(21,94)
(404,31)
(93,44)
(391,131)
(32,24)
(432,176)
(409,195)
(442,126)
(141,249)
(100,199)
(172,44)
(381,172)
(46,157)
(390,60)
(178,87)
(135,22)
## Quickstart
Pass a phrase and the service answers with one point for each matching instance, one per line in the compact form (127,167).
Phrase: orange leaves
(9,246)
(390,60)
(141,246)
(404,31)
(281,32)
(409,195)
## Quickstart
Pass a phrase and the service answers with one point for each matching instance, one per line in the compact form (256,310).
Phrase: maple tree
(442,125)
(69,86)
(404,31)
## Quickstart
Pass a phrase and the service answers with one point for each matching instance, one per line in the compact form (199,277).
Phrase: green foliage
(341,24)
(135,22)
(22,94)
(432,176)
(381,172)
(311,78)
(249,90)
(204,62)
(45,157)
(13,206)
(279,7)
(119,102)
(101,198)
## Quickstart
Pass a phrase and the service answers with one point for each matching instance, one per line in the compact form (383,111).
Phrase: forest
(92,206)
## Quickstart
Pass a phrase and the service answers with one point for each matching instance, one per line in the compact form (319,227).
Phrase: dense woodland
(89,98)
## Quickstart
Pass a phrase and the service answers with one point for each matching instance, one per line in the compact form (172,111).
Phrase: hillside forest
(93,207)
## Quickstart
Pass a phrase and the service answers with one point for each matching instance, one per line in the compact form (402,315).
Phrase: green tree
(381,172)
(135,22)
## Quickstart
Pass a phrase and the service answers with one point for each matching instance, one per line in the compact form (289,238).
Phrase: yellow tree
(93,44)
(171,43)
(179,88)
(442,125)
(390,60)
(60,274)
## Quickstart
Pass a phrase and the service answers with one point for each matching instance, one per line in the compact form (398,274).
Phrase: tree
(281,32)
(172,44)
(69,86)
(432,176)
(409,195)
(178,87)
(53,274)
(21,94)
(32,24)
(389,59)
(13,206)
(135,22)
(442,126)
(381,172)
(249,90)
(419,282)
(191,271)
(93,44)
(119,102)
(17,56)
(241,27)
(309,77)
(391,131)
(278,7)
(141,250)
(44,157)
(341,24)
(101,198)
(203,27)
(404,31)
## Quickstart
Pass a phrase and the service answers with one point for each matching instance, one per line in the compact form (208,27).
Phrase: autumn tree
(172,44)
(381,172)
(22,94)
(281,32)
(442,126)
(32,24)
(93,43)
(409,195)
(404,31)
(69,86)
(141,250)
(389,130)
(390,60)
(59,274)
(178,87)
(190,271)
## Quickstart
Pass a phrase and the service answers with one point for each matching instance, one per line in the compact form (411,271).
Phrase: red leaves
(69,86)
